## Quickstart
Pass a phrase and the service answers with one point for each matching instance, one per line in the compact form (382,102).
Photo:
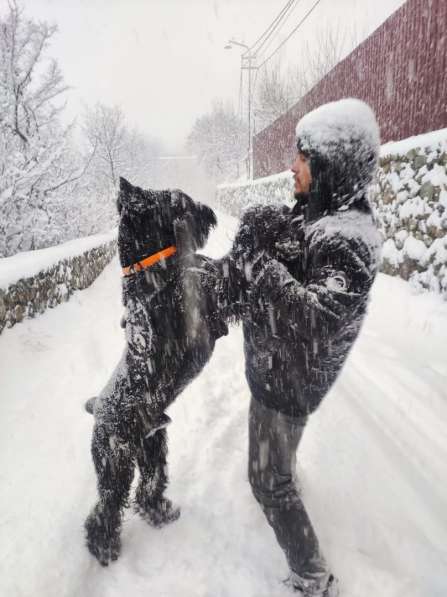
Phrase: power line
(269,33)
(308,13)
(273,25)
(272,39)
(268,44)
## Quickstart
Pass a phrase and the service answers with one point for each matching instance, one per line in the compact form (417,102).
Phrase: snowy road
(372,462)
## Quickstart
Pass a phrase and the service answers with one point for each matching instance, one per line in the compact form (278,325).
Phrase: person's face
(302,174)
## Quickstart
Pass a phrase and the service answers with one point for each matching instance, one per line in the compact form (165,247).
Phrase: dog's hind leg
(150,501)
(115,469)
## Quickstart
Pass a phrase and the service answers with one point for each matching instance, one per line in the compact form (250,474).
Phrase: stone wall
(31,294)
(410,201)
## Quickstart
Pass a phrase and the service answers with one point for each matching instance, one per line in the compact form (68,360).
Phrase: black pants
(273,442)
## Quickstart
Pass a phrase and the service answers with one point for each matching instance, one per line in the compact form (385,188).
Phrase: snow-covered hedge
(36,280)
(410,199)
(235,197)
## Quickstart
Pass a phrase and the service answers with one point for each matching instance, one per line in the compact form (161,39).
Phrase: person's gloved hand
(261,227)
(289,245)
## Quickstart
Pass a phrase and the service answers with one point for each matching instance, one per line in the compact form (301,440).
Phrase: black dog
(172,321)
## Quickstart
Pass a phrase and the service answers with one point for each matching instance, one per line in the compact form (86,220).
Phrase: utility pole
(250,168)
(247,59)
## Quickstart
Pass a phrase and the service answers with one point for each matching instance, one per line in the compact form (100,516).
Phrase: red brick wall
(400,70)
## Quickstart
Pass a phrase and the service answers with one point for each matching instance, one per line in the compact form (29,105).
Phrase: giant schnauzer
(172,321)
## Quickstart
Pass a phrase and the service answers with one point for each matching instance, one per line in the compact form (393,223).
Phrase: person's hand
(289,246)
(261,227)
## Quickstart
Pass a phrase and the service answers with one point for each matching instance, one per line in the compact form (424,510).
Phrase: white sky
(163,60)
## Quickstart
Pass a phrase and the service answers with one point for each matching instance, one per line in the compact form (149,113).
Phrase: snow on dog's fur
(172,321)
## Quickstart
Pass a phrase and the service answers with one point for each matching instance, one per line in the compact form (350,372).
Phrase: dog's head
(154,220)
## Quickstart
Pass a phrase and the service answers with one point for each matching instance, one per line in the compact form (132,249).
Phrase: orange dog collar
(148,261)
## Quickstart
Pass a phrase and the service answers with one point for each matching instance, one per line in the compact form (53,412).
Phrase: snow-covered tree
(143,154)
(37,159)
(219,139)
(328,47)
(273,95)
(116,151)
(277,89)
(105,133)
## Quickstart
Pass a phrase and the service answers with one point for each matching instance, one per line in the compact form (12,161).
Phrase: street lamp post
(249,57)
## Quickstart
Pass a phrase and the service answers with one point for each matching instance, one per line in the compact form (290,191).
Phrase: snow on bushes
(411,203)
(235,197)
(410,200)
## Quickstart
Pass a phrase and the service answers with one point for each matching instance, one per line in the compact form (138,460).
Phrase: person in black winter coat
(305,273)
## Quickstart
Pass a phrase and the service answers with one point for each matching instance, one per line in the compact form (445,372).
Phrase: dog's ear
(125,186)
(135,199)
(123,194)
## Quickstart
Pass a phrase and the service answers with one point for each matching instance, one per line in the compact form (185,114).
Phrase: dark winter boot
(323,586)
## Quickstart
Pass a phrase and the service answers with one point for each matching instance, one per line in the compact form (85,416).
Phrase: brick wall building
(400,70)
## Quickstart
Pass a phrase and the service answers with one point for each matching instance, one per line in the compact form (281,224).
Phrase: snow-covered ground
(372,462)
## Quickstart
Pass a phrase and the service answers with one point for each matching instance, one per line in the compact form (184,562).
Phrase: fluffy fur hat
(342,142)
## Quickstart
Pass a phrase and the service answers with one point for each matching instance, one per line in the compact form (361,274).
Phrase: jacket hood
(342,141)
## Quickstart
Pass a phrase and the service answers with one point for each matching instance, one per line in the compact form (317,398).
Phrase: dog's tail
(90,405)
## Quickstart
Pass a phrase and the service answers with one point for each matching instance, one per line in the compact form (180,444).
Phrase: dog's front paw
(103,541)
